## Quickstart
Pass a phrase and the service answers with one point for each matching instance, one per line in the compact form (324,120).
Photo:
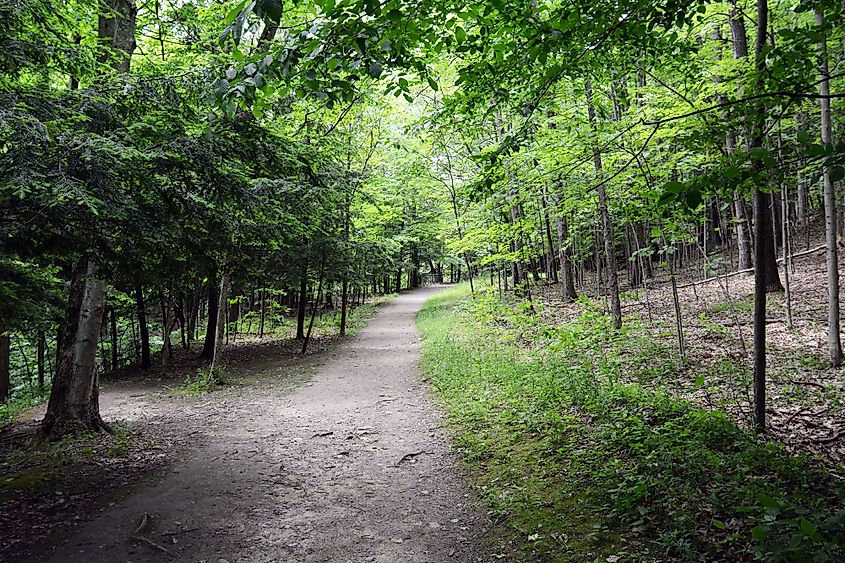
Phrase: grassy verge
(573,464)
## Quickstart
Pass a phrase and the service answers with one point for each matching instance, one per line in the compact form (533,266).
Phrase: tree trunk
(607,226)
(143,328)
(74,400)
(743,232)
(116,29)
(567,286)
(763,241)
(262,312)
(221,319)
(211,326)
(834,344)
(303,298)
(344,297)
(167,346)
(115,356)
(314,307)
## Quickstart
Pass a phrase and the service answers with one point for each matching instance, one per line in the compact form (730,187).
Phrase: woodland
(638,208)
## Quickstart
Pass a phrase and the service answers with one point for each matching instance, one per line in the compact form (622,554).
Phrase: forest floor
(335,456)
(583,445)
(806,397)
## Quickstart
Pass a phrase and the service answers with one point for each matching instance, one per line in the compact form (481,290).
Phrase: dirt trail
(352,466)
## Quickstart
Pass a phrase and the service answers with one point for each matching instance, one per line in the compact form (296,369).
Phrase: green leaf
(233,13)
(767,501)
(694,198)
(238,56)
(460,34)
(759,153)
(673,187)
(808,528)
(432,83)
(815,150)
(758,533)
(718,524)
(804,137)
(731,172)
(837,173)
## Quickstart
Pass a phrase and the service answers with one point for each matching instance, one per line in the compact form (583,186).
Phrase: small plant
(120,439)
(11,408)
(713,327)
(204,381)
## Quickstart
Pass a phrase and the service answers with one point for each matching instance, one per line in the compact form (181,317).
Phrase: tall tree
(834,344)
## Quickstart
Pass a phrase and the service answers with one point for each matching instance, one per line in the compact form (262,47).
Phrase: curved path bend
(352,466)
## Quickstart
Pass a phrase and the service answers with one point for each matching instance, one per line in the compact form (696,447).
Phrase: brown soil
(338,456)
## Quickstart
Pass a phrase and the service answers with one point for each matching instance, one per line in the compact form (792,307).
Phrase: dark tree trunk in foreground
(74,401)
(764,239)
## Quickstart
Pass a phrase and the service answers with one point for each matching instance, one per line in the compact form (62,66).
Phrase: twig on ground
(411,456)
(145,522)
(829,439)
(177,532)
(153,544)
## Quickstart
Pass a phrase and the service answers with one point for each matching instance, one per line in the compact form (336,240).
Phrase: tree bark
(221,319)
(741,224)
(211,326)
(143,327)
(567,285)
(834,344)
(303,298)
(763,240)
(116,28)
(74,400)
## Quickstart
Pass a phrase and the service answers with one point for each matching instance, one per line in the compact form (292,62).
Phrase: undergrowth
(574,462)
(204,380)
(11,408)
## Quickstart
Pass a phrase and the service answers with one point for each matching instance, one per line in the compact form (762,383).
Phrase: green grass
(10,409)
(573,465)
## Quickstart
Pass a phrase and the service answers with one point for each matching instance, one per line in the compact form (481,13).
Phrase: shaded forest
(654,189)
